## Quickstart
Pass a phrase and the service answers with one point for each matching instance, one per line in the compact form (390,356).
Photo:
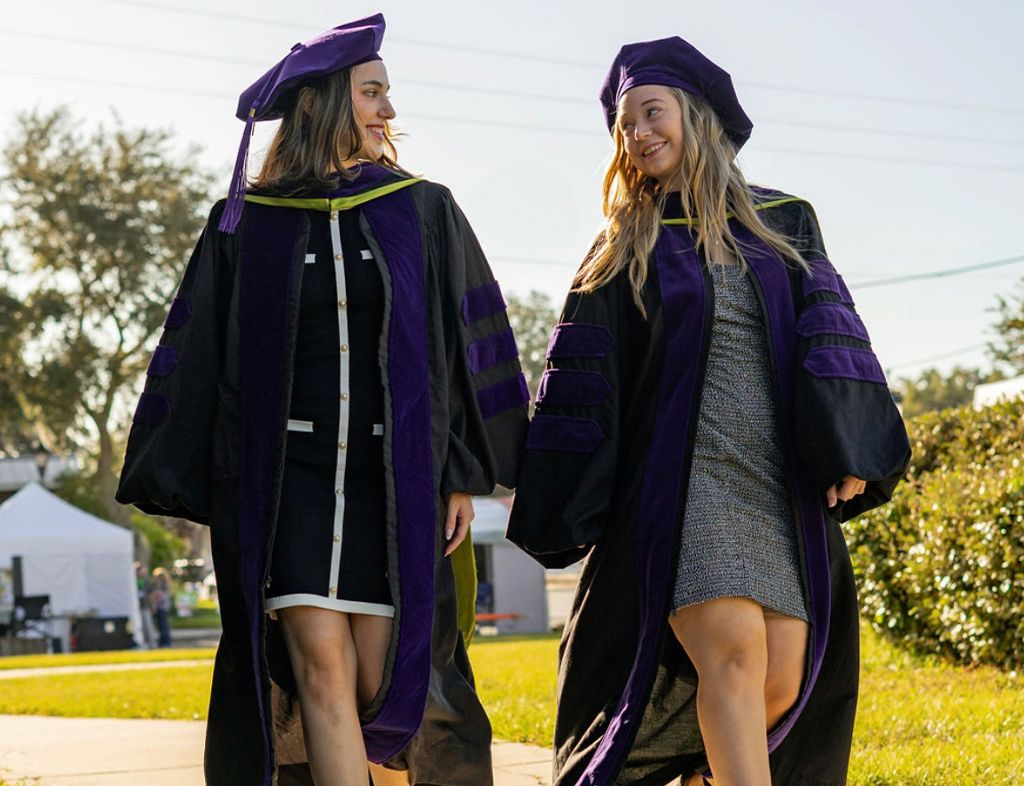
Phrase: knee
(323,676)
(736,660)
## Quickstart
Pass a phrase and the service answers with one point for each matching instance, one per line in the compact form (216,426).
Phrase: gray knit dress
(738,537)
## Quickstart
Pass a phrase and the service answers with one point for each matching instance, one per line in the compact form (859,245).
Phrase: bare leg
(323,655)
(373,637)
(726,640)
(787,654)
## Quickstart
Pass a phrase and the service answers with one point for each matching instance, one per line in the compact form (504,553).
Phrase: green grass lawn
(921,722)
(101,658)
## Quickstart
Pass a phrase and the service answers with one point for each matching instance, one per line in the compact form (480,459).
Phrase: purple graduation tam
(675,63)
(341,47)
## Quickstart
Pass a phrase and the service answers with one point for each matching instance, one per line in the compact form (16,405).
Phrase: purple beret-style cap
(675,63)
(341,47)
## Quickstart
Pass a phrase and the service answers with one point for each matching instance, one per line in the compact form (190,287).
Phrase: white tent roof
(989,393)
(34,517)
(490,520)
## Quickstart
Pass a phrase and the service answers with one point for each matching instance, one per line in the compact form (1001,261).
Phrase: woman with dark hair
(336,378)
(711,411)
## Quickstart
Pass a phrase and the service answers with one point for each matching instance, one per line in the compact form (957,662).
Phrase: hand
(460,513)
(847,489)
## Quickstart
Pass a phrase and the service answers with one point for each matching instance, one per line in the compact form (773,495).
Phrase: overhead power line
(944,356)
(490,52)
(953,271)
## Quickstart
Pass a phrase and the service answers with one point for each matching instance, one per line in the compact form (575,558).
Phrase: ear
(306,98)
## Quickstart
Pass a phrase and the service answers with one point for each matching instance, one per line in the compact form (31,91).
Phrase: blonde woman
(711,411)
(336,378)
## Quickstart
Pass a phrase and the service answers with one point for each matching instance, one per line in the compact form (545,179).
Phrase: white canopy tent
(85,564)
(518,581)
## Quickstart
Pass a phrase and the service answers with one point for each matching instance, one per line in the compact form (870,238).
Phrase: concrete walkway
(43,751)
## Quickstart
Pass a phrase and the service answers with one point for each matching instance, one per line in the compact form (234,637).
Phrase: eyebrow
(645,103)
(376,82)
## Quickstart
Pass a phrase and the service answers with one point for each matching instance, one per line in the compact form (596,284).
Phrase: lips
(650,150)
(377,131)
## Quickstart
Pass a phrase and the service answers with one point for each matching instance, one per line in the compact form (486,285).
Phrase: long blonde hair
(713,189)
(317,135)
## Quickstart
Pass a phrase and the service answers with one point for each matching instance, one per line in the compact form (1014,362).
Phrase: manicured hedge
(942,568)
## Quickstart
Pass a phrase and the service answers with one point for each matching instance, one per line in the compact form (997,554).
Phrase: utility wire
(886,99)
(504,93)
(943,356)
(953,271)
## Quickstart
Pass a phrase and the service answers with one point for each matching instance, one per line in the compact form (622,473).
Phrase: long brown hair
(713,189)
(317,135)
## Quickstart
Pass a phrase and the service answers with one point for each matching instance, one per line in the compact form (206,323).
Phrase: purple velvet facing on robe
(163,361)
(152,410)
(772,279)
(268,248)
(395,224)
(844,362)
(580,340)
(502,396)
(562,433)
(178,313)
(492,350)
(827,318)
(482,302)
(569,387)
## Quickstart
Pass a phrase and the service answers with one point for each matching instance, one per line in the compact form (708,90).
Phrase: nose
(641,132)
(387,110)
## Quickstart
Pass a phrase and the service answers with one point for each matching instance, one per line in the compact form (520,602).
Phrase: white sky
(902,121)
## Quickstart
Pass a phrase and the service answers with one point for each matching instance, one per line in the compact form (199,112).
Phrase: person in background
(711,411)
(160,599)
(144,587)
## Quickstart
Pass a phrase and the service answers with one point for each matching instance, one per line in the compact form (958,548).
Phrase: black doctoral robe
(605,476)
(208,440)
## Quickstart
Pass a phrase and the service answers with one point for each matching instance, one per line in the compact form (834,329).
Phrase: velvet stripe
(844,362)
(563,433)
(572,388)
(772,279)
(580,340)
(831,318)
(502,396)
(178,314)
(152,409)
(825,279)
(482,302)
(682,295)
(268,247)
(163,361)
(395,224)
(492,350)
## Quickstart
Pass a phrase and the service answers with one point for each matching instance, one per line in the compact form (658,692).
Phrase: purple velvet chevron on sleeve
(505,395)
(482,302)
(179,313)
(580,340)
(558,432)
(492,350)
(163,361)
(830,317)
(845,363)
(567,387)
(825,279)
(153,409)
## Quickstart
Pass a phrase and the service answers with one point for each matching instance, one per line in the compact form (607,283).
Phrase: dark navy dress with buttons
(330,547)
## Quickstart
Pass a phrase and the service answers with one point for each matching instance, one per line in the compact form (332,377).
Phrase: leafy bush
(942,568)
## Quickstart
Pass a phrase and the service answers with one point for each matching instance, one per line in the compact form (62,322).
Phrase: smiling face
(371,109)
(651,123)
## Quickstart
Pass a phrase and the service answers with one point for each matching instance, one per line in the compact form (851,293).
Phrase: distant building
(19,471)
(993,392)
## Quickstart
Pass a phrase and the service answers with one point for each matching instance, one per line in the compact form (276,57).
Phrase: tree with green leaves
(96,229)
(933,391)
(532,320)
(1008,351)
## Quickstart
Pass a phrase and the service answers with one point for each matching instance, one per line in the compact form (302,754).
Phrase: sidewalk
(43,751)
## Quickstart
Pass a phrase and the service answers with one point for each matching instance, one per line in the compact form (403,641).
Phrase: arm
(167,461)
